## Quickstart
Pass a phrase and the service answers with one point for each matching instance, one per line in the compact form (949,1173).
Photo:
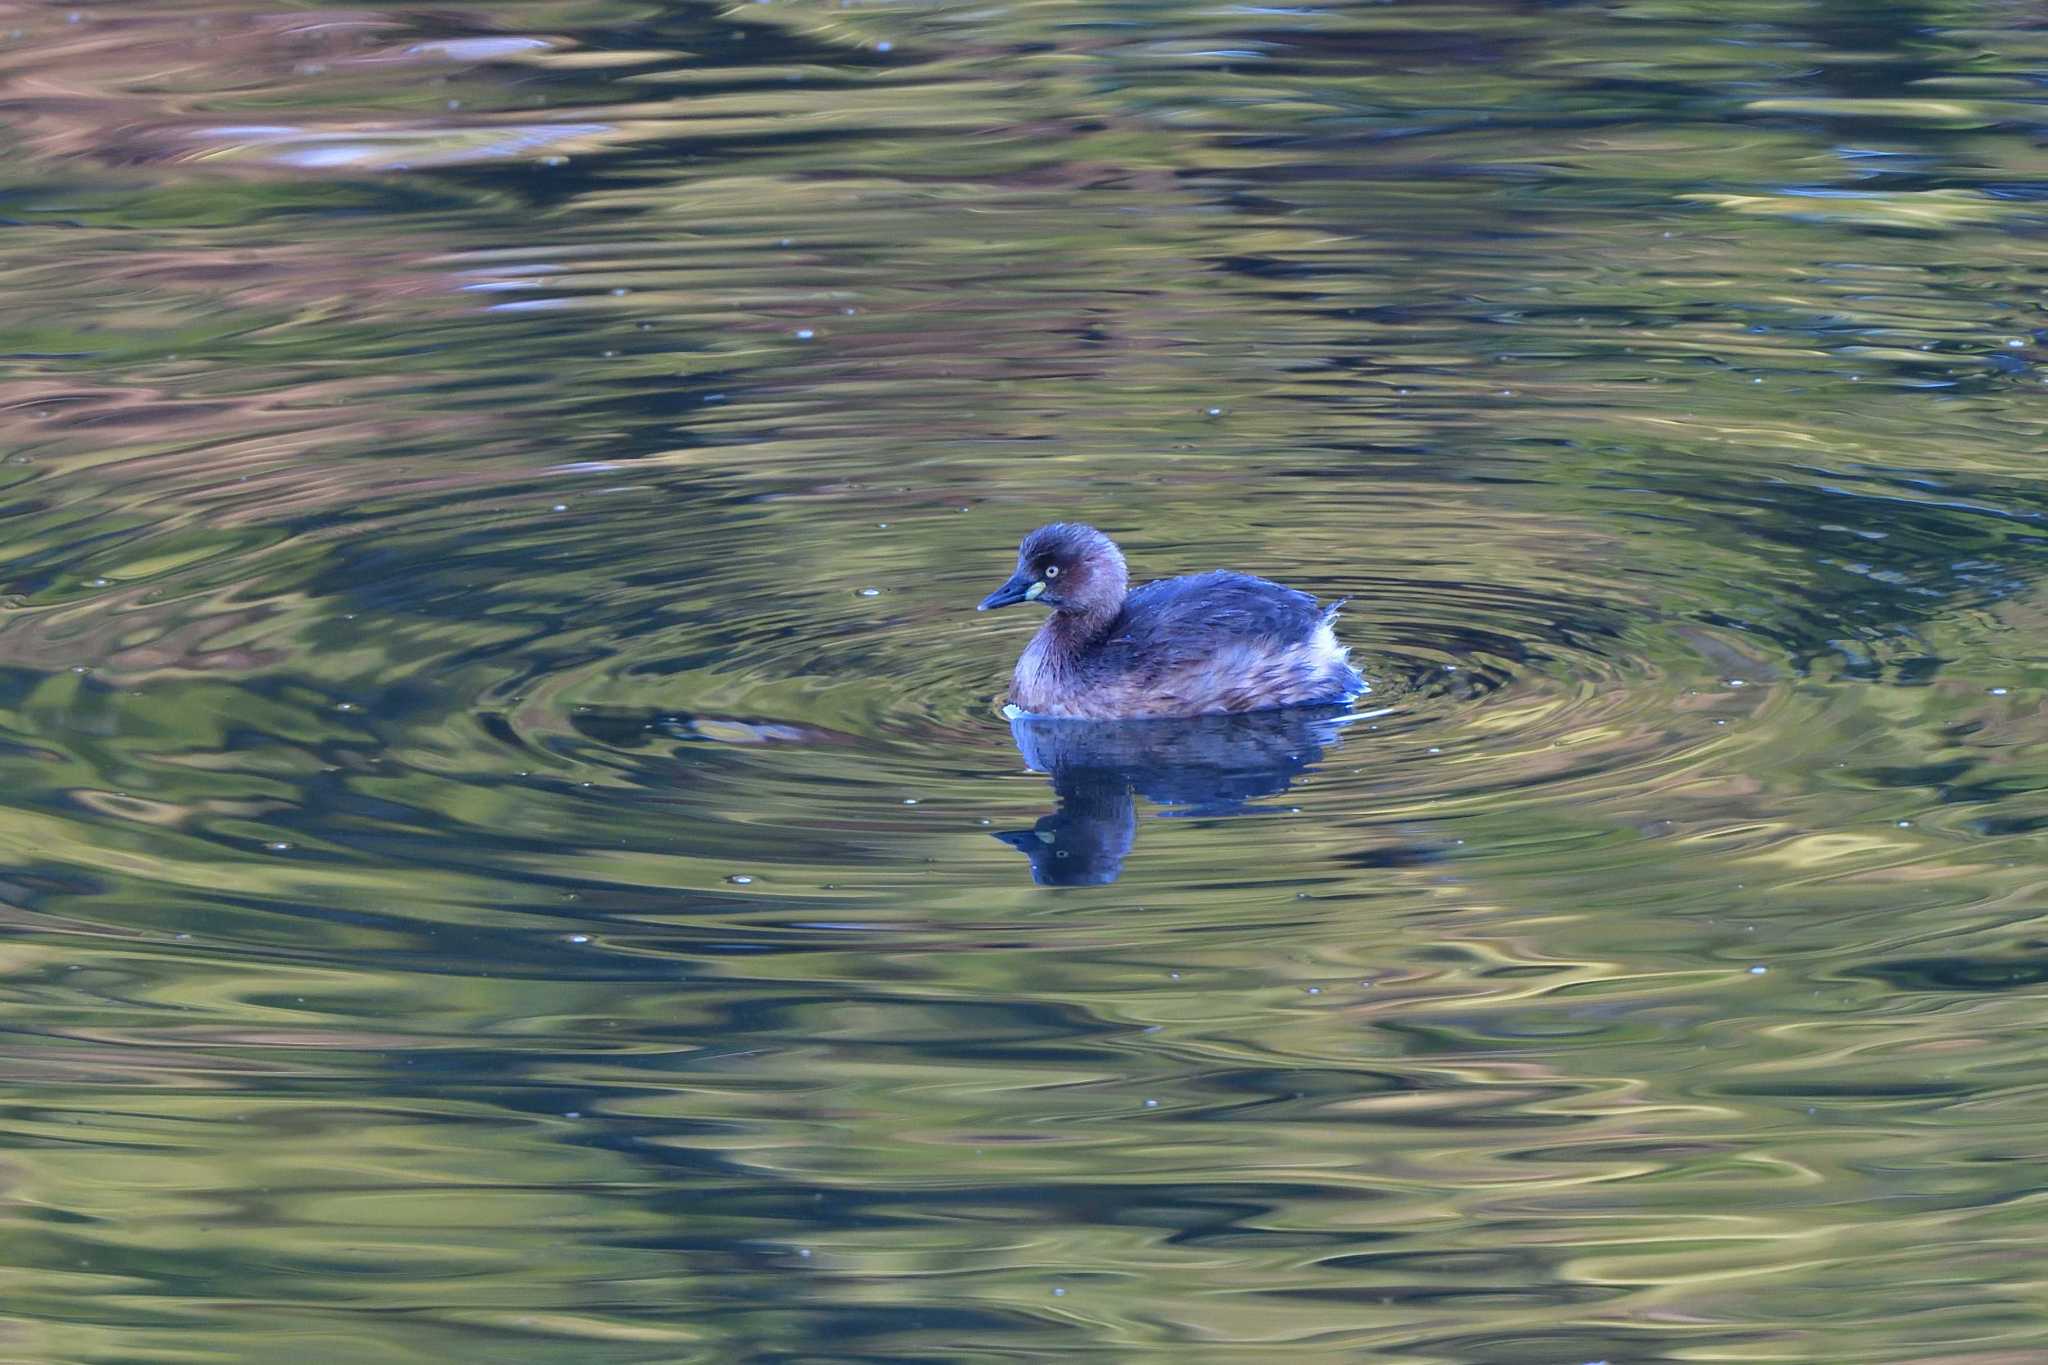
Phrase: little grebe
(1206,644)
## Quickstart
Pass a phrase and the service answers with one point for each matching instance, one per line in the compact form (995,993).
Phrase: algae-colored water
(500,774)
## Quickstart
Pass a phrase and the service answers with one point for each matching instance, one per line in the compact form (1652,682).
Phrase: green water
(508,846)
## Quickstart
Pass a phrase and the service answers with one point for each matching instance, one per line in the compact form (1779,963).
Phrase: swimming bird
(1201,645)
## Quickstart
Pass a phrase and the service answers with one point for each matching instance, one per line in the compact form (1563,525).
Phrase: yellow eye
(1052,571)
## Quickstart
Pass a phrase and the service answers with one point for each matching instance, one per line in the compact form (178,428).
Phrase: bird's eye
(1052,571)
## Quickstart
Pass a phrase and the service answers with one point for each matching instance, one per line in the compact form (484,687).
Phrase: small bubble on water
(740,879)
(1058,1292)
(278,847)
(1434,749)
(1758,971)
(1215,412)
(1737,682)
(804,1252)
(1174,975)
(2015,342)
(1151,1104)
(181,936)
(885,46)
(984,822)
(554,161)
(98,583)
(1998,691)
(572,1113)
(454,104)
(804,334)
(346,706)
(561,507)
(883,524)
(1905,824)
(909,800)
(1315,990)
(870,592)
(579,938)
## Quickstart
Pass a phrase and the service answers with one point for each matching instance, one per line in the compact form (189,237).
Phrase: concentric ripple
(512,846)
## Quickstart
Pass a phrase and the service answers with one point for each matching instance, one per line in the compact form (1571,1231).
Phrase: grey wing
(1182,620)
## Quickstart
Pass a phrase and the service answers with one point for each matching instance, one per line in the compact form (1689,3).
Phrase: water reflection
(1202,765)
(492,760)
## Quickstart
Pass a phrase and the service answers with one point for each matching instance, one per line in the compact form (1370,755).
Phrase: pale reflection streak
(591,902)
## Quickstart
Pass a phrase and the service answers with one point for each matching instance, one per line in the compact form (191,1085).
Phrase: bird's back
(1178,619)
(1208,643)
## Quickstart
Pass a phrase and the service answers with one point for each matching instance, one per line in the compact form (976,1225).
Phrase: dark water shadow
(1205,765)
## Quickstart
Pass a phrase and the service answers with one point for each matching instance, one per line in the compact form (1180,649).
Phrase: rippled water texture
(511,848)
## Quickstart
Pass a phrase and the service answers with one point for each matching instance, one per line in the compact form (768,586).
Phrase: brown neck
(1067,633)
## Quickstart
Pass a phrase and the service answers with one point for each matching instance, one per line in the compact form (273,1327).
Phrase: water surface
(512,852)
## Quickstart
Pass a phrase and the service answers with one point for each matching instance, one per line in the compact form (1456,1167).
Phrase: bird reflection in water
(1201,765)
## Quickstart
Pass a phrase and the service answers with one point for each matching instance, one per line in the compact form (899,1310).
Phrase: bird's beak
(1022,587)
